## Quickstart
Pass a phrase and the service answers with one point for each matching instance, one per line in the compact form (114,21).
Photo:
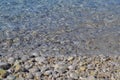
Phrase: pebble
(34,54)
(21,78)
(60,67)
(4,65)
(37,75)
(61,27)
(40,59)
(17,67)
(82,68)
(74,75)
(11,60)
(48,72)
(103,75)
(25,58)
(11,77)
(3,73)
(34,69)
(93,73)
(71,67)
(29,76)
(90,66)
(0,55)
(70,58)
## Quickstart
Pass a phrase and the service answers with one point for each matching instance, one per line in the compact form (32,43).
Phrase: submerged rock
(3,73)
(4,65)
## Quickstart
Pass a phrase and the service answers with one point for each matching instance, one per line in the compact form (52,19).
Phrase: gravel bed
(34,67)
(59,40)
(62,54)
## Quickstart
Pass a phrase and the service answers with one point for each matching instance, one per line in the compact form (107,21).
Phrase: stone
(91,78)
(25,58)
(90,67)
(34,54)
(82,68)
(28,65)
(4,65)
(11,60)
(71,67)
(11,77)
(70,58)
(29,76)
(112,78)
(48,72)
(34,69)
(60,67)
(21,78)
(37,75)
(44,68)
(17,67)
(74,75)
(93,73)
(55,74)
(40,59)
(3,73)
(103,75)
(82,78)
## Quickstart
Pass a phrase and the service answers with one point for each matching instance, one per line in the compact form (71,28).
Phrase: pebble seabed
(37,67)
(60,55)
(64,40)
(50,58)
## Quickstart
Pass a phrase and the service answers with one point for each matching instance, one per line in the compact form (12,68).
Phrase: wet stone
(29,76)
(4,65)
(37,75)
(40,59)
(60,67)
(74,75)
(11,77)
(71,67)
(25,58)
(46,73)
(34,54)
(11,60)
(70,58)
(3,73)
(34,69)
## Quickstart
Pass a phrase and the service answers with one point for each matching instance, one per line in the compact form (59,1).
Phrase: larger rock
(4,65)
(3,73)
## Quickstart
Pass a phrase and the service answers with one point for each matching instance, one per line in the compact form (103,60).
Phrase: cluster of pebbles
(59,40)
(64,54)
(35,66)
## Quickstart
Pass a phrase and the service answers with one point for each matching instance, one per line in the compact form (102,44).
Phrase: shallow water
(89,19)
(56,13)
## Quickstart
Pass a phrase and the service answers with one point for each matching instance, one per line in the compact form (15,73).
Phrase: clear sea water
(52,14)
(94,25)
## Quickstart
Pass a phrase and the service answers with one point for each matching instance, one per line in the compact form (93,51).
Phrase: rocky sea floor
(36,66)
(64,54)
(59,40)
